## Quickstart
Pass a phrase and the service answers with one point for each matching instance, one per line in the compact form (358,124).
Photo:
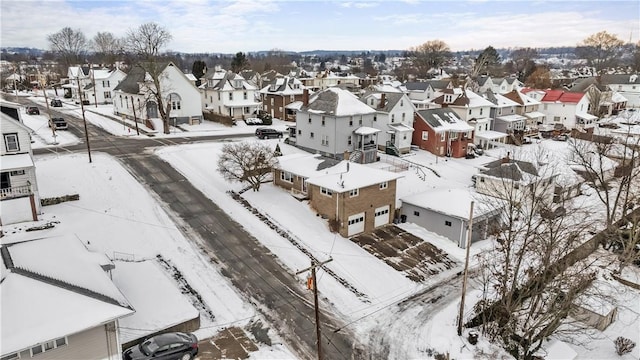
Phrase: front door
(5,181)
(152,110)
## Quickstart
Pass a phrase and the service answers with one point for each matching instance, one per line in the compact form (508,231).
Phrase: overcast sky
(299,25)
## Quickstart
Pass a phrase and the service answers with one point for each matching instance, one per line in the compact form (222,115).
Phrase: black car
(56,102)
(169,346)
(59,123)
(33,110)
(264,133)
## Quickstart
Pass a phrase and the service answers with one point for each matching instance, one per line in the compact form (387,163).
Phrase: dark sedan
(169,346)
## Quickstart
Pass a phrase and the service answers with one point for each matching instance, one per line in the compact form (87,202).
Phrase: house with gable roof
(470,107)
(229,94)
(441,132)
(423,92)
(335,123)
(358,198)
(505,118)
(277,95)
(77,74)
(627,85)
(59,302)
(566,108)
(134,96)
(611,102)
(19,195)
(528,107)
(103,82)
(394,120)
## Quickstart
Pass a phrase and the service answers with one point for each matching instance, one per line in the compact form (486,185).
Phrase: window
(350,122)
(107,95)
(323,121)
(360,122)
(356,220)
(286,176)
(443,136)
(309,119)
(447,223)
(483,109)
(425,135)
(393,118)
(105,83)
(325,191)
(384,185)
(375,118)
(299,132)
(516,186)
(354,192)
(403,117)
(230,96)
(17,172)
(13,356)
(482,179)
(349,140)
(416,213)
(272,101)
(453,135)
(175,105)
(470,111)
(311,135)
(292,98)
(325,140)
(49,345)
(382,212)
(244,95)
(11,142)
(218,96)
(401,102)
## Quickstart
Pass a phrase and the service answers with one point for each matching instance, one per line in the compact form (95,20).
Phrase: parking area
(417,259)
(231,343)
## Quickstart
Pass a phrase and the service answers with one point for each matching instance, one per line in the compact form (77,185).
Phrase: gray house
(446,212)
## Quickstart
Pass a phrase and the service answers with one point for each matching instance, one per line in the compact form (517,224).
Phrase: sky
(205,26)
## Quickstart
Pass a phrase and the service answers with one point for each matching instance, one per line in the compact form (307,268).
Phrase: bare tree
(146,41)
(107,47)
(522,62)
(539,79)
(249,162)
(601,50)
(70,44)
(529,285)
(431,54)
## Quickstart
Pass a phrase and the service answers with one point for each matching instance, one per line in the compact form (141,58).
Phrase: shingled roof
(337,102)
(131,83)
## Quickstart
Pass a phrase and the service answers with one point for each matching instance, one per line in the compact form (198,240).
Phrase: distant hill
(22,50)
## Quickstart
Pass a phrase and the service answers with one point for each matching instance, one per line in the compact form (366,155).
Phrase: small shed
(596,311)
(446,212)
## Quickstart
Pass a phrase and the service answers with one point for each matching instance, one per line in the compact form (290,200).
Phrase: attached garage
(356,224)
(381,216)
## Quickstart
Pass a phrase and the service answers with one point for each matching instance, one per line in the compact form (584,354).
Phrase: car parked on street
(33,110)
(56,103)
(265,133)
(169,346)
(59,123)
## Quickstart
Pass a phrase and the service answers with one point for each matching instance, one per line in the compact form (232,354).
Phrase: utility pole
(46,101)
(466,270)
(135,118)
(84,119)
(313,267)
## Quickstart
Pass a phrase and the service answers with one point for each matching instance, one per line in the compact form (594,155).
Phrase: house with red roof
(570,109)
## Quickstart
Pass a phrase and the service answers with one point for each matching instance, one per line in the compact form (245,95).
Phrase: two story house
(441,132)
(394,120)
(19,197)
(79,79)
(527,107)
(627,85)
(354,198)
(423,92)
(229,94)
(103,82)
(58,302)
(505,118)
(335,121)
(470,107)
(134,96)
(278,94)
(497,85)
(566,108)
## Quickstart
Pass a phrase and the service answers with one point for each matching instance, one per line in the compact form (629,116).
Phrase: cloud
(358,4)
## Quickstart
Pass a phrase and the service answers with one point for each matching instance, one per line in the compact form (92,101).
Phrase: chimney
(383,99)
(506,160)
(305,97)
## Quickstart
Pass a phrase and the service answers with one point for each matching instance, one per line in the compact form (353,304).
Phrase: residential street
(253,270)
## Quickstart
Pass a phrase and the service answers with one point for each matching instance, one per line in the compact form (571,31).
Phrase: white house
(423,92)
(103,82)
(227,93)
(335,121)
(19,197)
(77,74)
(58,302)
(394,120)
(134,96)
(567,108)
(628,85)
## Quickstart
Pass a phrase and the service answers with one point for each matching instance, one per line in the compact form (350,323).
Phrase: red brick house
(278,94)
(442,132)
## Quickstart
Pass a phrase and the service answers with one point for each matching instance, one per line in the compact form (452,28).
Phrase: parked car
(264,133)
(266,118)
(169,346)
(56,103)
(33,110)
(59,123)
(561,137)
(253,121)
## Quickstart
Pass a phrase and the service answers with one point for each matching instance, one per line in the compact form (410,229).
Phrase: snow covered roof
(512,118)
(53,288)
(455,202)
(363,130)
(534,115)
(17,161)
(521,98)
(444,119)
(490,135)
(158,307)
(337,102)
(305,165)
(347,176)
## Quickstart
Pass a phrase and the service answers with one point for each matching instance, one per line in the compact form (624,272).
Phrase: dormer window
(237,84)
(448,98)
(273,87)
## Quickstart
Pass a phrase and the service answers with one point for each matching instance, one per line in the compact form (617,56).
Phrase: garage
(381,216)
(355,224)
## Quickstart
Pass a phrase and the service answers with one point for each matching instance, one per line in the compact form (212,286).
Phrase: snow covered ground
(116,214)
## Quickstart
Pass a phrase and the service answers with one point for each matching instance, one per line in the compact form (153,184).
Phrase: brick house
(359,197)
(442,132)
(278,94)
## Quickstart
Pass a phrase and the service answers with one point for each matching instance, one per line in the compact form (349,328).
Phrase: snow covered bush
(623,345)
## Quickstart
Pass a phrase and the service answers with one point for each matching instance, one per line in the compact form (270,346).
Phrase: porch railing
(15,192)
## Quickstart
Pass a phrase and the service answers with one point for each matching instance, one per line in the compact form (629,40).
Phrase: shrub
(623,345)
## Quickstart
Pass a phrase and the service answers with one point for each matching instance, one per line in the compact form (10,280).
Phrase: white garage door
(356,224)
(382,216)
